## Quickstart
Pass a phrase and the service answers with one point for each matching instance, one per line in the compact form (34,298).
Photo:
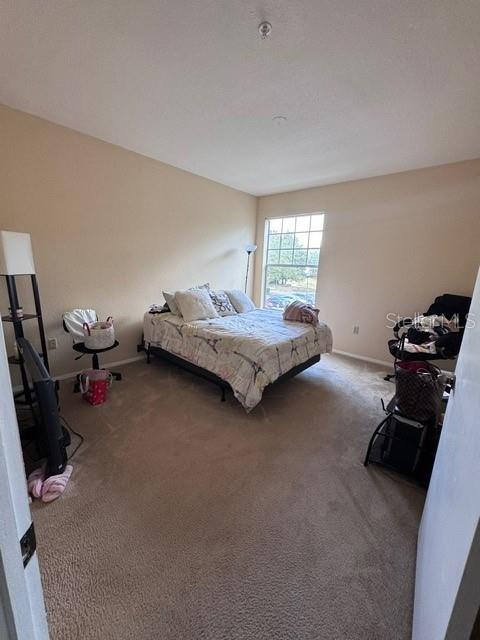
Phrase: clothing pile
(436,334)
(433,334)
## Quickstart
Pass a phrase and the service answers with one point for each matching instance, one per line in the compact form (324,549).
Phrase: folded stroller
(435,335)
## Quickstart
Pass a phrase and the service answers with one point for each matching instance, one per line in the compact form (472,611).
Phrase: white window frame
(266,245)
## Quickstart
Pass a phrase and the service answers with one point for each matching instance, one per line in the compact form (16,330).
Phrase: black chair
(447,342)
(73,324)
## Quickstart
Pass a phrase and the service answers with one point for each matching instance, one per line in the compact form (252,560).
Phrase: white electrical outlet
(356,329)
(52,343)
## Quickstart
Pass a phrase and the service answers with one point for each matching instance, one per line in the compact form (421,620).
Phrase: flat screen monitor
(50,433)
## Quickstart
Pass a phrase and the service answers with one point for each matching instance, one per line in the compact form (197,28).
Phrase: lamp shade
(250,248)
(16,257)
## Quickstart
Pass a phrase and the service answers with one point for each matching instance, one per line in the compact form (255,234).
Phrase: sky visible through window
(292,253)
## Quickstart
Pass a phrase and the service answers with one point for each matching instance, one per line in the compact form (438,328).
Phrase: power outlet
(356,329)
(52,343)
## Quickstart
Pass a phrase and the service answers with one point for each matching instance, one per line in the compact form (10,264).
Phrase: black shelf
(17,323)
(15,360)
(26,316)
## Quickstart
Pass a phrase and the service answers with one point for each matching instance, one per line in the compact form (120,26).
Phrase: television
(49,434)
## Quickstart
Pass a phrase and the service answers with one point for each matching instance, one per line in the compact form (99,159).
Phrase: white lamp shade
(16,256)
(250,248)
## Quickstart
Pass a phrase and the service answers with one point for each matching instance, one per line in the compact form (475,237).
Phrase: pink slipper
(54,486)
(35,482)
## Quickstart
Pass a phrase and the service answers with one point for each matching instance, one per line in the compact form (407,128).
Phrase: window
(292,252)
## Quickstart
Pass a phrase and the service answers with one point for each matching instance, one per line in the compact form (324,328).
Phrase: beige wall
(111,228)
(391,244)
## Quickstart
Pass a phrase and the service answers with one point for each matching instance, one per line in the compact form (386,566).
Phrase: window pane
(288,225)
(287,240)
(300,256)
(310,275)
(303,223)
(273,257)
(315,239)
(317,222)
(274,241)
(286,257)
(313,257)
(301,240)
(286,284)
(275,225)
(310,286)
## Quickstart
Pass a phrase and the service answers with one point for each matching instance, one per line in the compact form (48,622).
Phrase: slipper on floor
(35,481)
(54,486)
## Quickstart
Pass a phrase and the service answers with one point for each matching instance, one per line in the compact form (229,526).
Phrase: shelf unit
(26,316)
(18,327)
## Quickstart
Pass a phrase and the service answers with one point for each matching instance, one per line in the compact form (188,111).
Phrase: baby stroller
(435,335)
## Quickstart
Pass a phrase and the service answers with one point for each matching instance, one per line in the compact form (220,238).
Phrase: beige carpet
(188,519)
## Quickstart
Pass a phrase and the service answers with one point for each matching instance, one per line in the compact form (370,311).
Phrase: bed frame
(208,375)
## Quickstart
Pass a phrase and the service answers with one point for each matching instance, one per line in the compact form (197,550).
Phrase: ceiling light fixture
(265,30)
(279,120)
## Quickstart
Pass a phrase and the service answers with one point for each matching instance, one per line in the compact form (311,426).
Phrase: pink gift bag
(94,384)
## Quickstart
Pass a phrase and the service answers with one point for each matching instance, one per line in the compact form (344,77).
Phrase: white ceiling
(368,86)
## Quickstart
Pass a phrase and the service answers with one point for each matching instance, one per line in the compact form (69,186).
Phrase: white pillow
(222,303)
(170,298)
(195,304)
(240,300)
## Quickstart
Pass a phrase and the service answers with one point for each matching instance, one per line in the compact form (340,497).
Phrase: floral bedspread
(248,350)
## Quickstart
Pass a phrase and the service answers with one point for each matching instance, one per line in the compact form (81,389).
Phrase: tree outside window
(292,254)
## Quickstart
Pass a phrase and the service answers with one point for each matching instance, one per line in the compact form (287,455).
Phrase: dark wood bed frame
(208,375)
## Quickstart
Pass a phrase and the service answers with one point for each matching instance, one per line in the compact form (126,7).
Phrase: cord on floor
(79,435)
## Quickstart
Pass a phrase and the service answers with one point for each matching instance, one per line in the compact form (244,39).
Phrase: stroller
(435,335)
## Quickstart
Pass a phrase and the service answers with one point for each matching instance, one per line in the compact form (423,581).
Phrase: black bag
(419,390)
(450,305)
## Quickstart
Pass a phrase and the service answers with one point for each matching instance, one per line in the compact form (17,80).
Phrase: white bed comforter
(248,350)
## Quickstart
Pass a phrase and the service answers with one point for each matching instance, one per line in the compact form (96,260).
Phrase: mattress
(247,350)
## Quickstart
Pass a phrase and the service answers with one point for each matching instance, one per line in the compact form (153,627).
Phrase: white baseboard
(383,363)
(105,365)
(73,374)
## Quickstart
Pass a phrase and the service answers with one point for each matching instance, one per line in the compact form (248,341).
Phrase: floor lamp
(16,259)
(249,248)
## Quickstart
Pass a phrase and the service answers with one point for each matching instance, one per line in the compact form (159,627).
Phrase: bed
(245,352)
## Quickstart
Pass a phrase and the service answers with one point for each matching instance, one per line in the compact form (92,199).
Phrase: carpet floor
(187,519)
